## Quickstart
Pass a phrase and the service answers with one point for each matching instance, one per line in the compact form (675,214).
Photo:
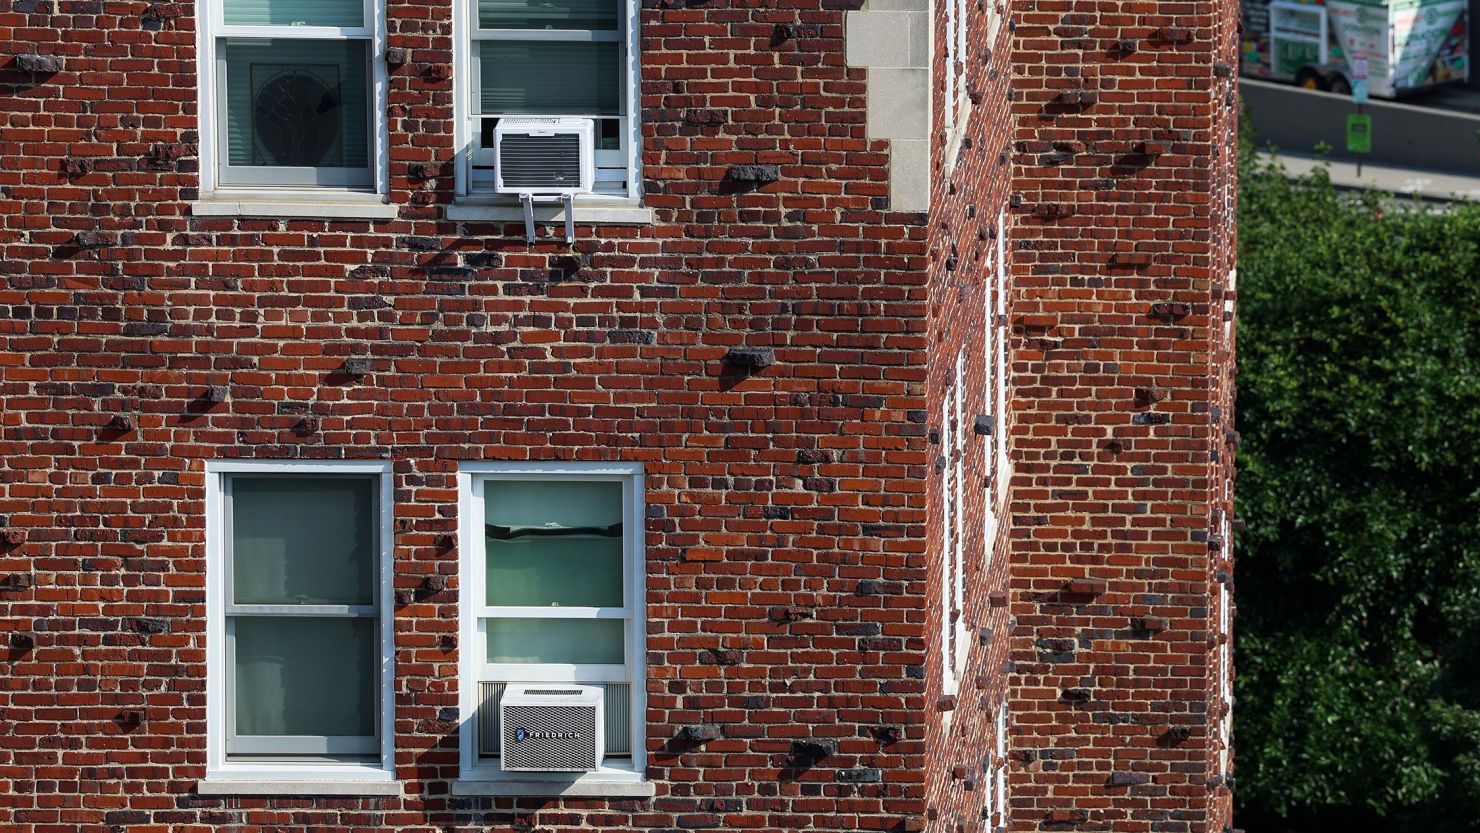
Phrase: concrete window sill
(304,788)
(615,213)
(578,788)
(294,206)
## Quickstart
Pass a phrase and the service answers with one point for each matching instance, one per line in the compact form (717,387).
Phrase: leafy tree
(1358,580)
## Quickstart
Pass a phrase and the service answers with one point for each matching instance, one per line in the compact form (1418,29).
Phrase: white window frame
(472,669)
(467,83)
(1225,636)
(1004,366)
(950,683)
(993,489)
(1001,764)
(218,767)
(958,473)
(1229,295)
(957,96)
(211,106)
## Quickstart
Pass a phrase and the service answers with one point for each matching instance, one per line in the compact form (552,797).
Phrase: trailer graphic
(1409,45)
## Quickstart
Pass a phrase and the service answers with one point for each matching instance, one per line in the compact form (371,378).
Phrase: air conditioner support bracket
(566,200)
(528,200)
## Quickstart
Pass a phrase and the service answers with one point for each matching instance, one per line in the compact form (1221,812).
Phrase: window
(1225,634)
(957,97)
(298,631)
(999,328)
(994,436)
(552,592)
(954,644)
(548,59)
(995,461)
(1000,775)
(958,476)
(949,509)
(291,94)
(1229,296)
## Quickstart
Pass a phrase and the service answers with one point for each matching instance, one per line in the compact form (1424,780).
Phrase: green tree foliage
(1358,580)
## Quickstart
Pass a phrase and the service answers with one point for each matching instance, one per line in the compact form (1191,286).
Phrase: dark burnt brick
(147,625)
(701,732)
(758,174)
(750,357)
(39,64)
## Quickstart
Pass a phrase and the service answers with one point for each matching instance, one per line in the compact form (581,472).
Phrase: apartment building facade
(836,395)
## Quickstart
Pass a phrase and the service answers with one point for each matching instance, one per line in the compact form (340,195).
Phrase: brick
(39,64)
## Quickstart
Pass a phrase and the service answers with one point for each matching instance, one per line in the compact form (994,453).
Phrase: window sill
(513,784)
(244,786)
(616,212)
(306,205)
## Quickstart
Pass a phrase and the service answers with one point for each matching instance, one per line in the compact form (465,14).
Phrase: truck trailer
(1395,47)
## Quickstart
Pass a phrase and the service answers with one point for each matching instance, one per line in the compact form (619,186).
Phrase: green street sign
(1358,133)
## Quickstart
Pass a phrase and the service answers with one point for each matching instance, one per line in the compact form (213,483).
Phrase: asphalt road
(1438,131)
(1456,98)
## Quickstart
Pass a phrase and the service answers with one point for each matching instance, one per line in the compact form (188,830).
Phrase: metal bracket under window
(567,200)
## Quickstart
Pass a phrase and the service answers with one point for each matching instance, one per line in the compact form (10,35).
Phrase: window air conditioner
(551,158)
(551,727)
(544,157)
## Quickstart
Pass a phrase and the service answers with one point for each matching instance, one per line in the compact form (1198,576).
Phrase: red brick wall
(799,486)
(1121,247)
(970,194)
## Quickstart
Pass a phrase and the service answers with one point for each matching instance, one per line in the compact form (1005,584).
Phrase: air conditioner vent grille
(541,162)
(550,738)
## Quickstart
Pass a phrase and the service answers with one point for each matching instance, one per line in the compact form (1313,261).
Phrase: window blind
(550,78)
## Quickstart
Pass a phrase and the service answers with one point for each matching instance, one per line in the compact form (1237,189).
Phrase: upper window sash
(221,29)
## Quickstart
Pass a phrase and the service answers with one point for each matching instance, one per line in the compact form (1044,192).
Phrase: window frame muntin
(211,29)
(472,664)
(379,765)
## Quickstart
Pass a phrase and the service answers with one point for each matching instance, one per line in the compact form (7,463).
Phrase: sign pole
(1360,88)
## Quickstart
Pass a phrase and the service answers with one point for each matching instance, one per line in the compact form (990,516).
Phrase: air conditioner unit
(551,727)
(544,157)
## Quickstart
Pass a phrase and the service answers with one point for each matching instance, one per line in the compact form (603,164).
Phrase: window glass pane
(546,14)
(553,542)
(550,78)
(596,641)
(297,103)
(305,676)
(303,540)
(535,506)
(294,13)
(578,570)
